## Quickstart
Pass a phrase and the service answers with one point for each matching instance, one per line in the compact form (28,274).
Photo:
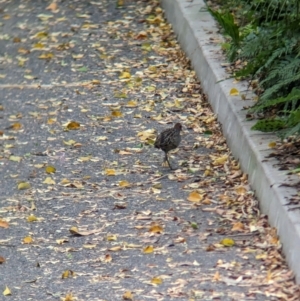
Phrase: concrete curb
(195,28)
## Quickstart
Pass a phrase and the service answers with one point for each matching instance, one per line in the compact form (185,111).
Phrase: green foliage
(265,34)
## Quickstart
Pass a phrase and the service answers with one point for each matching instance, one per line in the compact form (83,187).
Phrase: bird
(168,140)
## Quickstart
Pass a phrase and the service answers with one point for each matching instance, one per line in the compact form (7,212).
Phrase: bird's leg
(167,159)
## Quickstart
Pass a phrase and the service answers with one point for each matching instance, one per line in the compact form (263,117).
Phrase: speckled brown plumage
(168,140)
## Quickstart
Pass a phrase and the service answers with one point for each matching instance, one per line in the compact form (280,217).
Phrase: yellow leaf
(227,242)
(111,237)
(132,104)
(49,181)
(3,224)
(220,160)
(7,291)
(51,120)
(272,144)
(61,241)
(148,250)
(156,229)
(69,297)
(240,190)
(50,169)
(15,158)
(69,142)
(46,56)
(101,138)
(128,296)
(73,125)
(195,196)
(146,135)
(217,276)
(41,35)
(28,240)
(110,172)
(16,126)
(146,46)
(125,75)
(32,218)
(124,183)
(38,46)
(156,280)
(116,114)
(67,274)
(23,185)
(234,92)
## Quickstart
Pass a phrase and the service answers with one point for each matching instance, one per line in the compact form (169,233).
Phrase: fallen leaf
(23,185)
(194,196)
(7,291)
(272,144)
(156,229)
(46,56)
(73,125)
(67,274)
(49,181)
(156,280)
(234,92)
(2,260)
(75,231)
(27,240)
(227,242)
(32,218)
(124,183)
(3,224)
(148,250)
(127,296)
(110,172)
(50,169)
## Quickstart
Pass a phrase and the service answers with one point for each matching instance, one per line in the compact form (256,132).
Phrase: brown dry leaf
(67,274)
(156,229)
(234,92)
(156,281)
(7,291)
(73,125)
(3,224)
(238,227)
(216,276)
(89,246)
(50,169)
(23,185)
(75,231)
(107,258)
(27,240)
(227,242)
(148,250)
(122,152)
(128,296)
(61,241)
(32,218)
(2,260)
(195,196)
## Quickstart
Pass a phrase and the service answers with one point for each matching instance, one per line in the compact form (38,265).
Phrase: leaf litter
(93,84)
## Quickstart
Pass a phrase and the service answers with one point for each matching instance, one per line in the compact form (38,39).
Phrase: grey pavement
(85,88)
